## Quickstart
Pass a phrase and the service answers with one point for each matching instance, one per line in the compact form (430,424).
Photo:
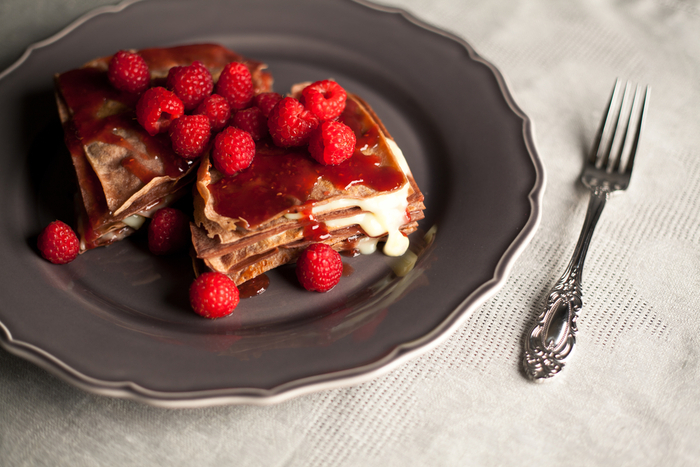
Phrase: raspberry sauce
(99,109)
(254,286)
(282,180)
(211,56)
(347,270)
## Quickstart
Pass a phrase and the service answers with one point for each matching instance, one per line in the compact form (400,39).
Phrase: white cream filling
(384,214)
(398,154)
(367,245)
(134,221)
(404,264)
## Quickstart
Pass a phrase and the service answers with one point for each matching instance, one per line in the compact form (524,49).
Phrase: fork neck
(595,207)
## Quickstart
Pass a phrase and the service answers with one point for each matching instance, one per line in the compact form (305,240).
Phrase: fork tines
(613,150)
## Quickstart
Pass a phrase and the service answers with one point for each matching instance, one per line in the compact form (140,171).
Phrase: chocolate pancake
(124,173)
(265,215)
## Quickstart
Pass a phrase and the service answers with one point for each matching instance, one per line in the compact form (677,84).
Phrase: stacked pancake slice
(247,223)
(265,215)
(124,173)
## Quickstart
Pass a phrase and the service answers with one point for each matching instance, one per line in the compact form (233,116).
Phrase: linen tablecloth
(631,394)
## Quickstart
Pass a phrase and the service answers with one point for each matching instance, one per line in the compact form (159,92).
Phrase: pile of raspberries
(193,109)
(228,118)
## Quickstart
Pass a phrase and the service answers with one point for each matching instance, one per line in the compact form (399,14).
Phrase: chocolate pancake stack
(265,215)
(124,173)
(248,223)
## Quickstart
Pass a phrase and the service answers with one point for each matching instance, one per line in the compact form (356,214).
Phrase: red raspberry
(325,99)
(253,121)
(290,124)
(332,143)
(216,108)
(156,108)
(266,101)
(236,85)
(189,135)
(128,72)
(214,295)
(319,268)
(58,243)
(168,232)
(190,83)
(233,150)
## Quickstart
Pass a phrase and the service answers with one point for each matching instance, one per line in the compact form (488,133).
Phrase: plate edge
(65,31)
(299,387)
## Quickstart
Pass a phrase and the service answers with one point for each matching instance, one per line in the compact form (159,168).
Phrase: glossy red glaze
(351,253)
(254,286)
(89,95)
(347,270)
(98,109)
(282,179)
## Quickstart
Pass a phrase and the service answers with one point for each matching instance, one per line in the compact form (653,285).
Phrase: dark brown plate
(117,321)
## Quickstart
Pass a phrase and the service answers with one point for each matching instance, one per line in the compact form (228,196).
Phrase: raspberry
(58,243)
(266,101)
(168,232)
(217,110)
(290,124)
(189,135)
(156,108)
(213,295)
(128,72)
(332,143)
(319,268)
(325,99)
(236,85)
(233,150)
(253,121)
(190,83)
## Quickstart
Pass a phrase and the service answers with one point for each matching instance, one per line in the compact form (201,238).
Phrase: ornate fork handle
(553,337)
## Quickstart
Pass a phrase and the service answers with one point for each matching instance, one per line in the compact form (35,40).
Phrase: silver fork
(608,169)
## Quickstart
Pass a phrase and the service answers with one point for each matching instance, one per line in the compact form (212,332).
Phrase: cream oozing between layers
(382,214)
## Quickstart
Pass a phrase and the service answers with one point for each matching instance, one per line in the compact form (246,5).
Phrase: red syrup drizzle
(281,180)
(353,253)
(89,95)
(87,91)
(211,55)
(254,287)
(313,229)
(91,99)
(347,270)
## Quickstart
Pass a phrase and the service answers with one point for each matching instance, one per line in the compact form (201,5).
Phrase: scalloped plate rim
(401,354)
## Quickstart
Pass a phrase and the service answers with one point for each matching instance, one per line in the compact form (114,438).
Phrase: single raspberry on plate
(332,143)
(213,295)
(190,83)
(233,150)
(58,243)
(157,108)
(319,268)
(217,110)
(266,101)
(253,121)
(290,124)
(236,85)
(168,232)
(128,72)
(325,99)
(189,135)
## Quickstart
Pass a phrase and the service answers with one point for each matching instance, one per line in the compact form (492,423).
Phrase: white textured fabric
(631,394)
